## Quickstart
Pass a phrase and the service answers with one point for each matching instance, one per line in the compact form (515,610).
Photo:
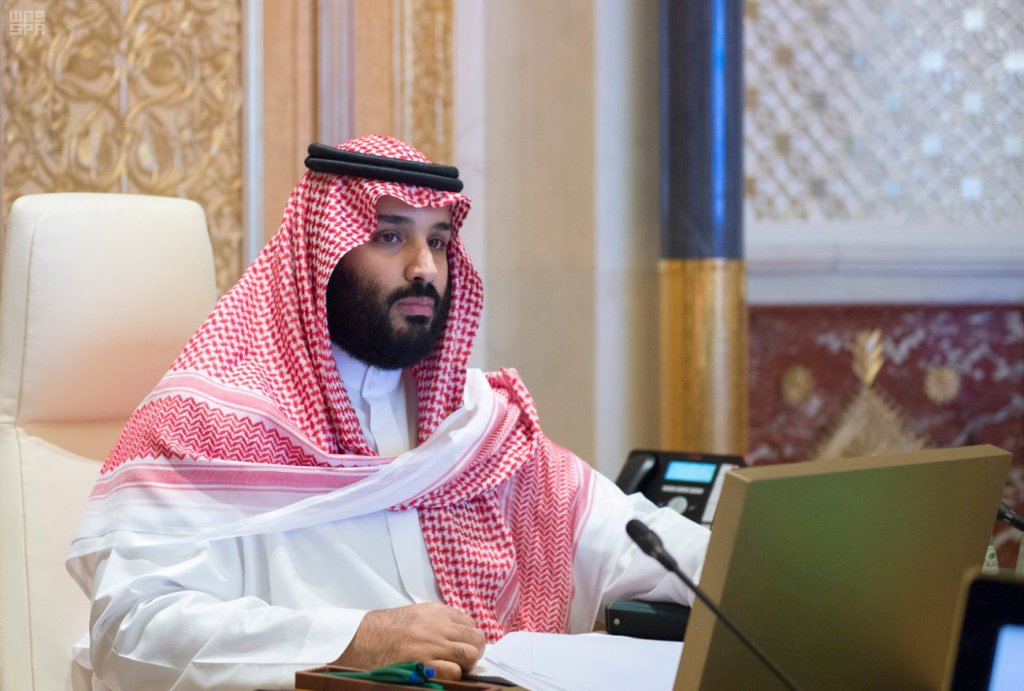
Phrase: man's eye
(438,243)
(386,237)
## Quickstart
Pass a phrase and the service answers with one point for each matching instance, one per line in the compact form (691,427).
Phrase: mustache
(415,290)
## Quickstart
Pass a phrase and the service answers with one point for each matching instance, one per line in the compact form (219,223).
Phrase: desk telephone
(690,483)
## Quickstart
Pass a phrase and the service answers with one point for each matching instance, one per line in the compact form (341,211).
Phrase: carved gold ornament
(872,423)
(797,385)
(941,384)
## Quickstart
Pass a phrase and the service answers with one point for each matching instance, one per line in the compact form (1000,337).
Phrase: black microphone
(1009,516)
(651,545)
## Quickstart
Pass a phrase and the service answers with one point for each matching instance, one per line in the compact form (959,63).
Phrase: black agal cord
(328,159)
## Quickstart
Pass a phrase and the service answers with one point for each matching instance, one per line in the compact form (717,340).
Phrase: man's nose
(421,265)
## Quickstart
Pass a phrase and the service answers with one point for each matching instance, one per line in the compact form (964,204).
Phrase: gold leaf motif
(868,355)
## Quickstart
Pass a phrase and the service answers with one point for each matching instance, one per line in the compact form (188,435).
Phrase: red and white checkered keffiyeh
(253,417)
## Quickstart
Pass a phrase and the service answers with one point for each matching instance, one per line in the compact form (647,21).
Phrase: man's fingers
(445,670)
(470,635)
(463,654)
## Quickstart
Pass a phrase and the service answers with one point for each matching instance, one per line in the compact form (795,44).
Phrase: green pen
(406,673)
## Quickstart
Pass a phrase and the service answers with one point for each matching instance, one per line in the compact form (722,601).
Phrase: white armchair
(99,294)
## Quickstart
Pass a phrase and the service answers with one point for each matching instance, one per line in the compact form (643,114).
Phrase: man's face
(388,300)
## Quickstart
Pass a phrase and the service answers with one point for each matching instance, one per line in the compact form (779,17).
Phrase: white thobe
(248,612)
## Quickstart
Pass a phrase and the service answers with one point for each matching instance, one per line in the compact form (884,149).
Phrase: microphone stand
(651,545)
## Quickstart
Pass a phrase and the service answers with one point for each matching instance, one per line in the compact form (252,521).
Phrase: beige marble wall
(289,101)
(540,207)
(627,227)
(373,73)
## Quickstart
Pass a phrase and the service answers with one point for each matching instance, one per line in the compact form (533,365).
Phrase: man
(320,478)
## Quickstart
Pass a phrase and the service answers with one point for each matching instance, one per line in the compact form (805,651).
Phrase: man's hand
(443,638)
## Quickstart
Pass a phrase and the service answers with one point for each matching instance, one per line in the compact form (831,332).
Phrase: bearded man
(319,477)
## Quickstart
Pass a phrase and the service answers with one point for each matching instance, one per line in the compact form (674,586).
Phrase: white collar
(362,380)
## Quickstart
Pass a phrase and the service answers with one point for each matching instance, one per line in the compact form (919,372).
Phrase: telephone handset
(688,482)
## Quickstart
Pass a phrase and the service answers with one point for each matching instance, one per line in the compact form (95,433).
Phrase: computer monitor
(847,572)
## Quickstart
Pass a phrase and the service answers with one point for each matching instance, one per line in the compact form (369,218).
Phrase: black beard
(358,319)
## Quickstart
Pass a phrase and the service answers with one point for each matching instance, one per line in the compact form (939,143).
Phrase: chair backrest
(99,294)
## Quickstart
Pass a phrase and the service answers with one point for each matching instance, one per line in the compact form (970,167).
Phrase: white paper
(563,662)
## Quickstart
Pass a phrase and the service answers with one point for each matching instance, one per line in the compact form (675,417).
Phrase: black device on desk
(685,481)
(660,621)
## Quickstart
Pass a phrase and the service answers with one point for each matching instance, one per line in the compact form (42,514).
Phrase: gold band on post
(704,355)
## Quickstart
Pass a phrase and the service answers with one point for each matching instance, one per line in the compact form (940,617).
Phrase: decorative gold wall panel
(903,110)
(423,76)
(139,97)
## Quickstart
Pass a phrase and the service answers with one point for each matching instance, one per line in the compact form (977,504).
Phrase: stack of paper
(551,661)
